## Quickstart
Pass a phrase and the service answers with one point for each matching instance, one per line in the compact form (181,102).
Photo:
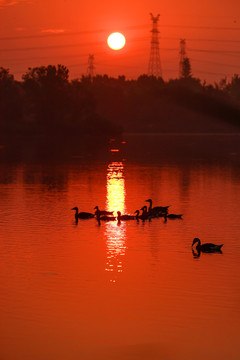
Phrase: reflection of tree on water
(115,233)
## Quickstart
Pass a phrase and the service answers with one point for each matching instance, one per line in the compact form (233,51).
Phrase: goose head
(196,240)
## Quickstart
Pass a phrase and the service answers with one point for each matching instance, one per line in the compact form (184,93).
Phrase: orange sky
(42,32)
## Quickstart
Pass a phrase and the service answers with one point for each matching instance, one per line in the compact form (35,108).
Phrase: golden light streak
(115,233)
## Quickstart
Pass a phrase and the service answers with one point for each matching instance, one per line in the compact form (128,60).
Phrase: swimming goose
(124,217)
(103,212)
(104,217)
(207,247)
(144,214)
(82,215)
(138,216)
(172,216)
(154,211)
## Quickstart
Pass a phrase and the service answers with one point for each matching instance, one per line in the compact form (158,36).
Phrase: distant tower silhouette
(154,67)
(182,56)
(91,66)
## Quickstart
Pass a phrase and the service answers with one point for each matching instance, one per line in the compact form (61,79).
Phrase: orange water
(119,291)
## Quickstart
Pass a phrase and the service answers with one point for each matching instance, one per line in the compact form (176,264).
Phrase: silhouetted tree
(5,76)
(234,87)
(50,75)
(11,103)
(222,84)
(46,105)
(47,89)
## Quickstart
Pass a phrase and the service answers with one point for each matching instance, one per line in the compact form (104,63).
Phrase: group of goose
(147,213)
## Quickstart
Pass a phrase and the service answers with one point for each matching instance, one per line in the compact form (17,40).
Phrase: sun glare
(116,41)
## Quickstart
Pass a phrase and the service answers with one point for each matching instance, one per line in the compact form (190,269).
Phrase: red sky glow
(43,32)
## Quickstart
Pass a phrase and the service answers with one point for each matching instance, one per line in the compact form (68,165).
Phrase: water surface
(133,290)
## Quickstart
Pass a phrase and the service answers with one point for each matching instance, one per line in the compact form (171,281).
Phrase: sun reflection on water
(115,233)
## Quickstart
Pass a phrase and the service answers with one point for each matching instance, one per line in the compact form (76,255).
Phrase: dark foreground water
(122,291)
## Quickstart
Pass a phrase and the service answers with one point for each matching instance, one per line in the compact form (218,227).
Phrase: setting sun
(116,41)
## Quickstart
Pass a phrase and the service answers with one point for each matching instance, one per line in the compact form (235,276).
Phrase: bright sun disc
(116,41)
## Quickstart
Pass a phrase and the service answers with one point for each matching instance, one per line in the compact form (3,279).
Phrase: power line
(216,51)
(202,27)
(228,52)
(202,39)
(72,33)
(43,36)
(47,57)
(132,27)
(51,47)
(214,63)
(213,73)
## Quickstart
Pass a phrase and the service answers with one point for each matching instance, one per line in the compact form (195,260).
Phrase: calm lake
(127,291)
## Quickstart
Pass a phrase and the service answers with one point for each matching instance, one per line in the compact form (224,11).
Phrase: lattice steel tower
(154,67)
(182,53)
(91,66)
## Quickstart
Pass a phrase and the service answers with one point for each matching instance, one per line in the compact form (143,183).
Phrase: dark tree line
(46,104)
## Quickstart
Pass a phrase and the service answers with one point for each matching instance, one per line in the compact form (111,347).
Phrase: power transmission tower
(182,56)
(154,67)
(91,66)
